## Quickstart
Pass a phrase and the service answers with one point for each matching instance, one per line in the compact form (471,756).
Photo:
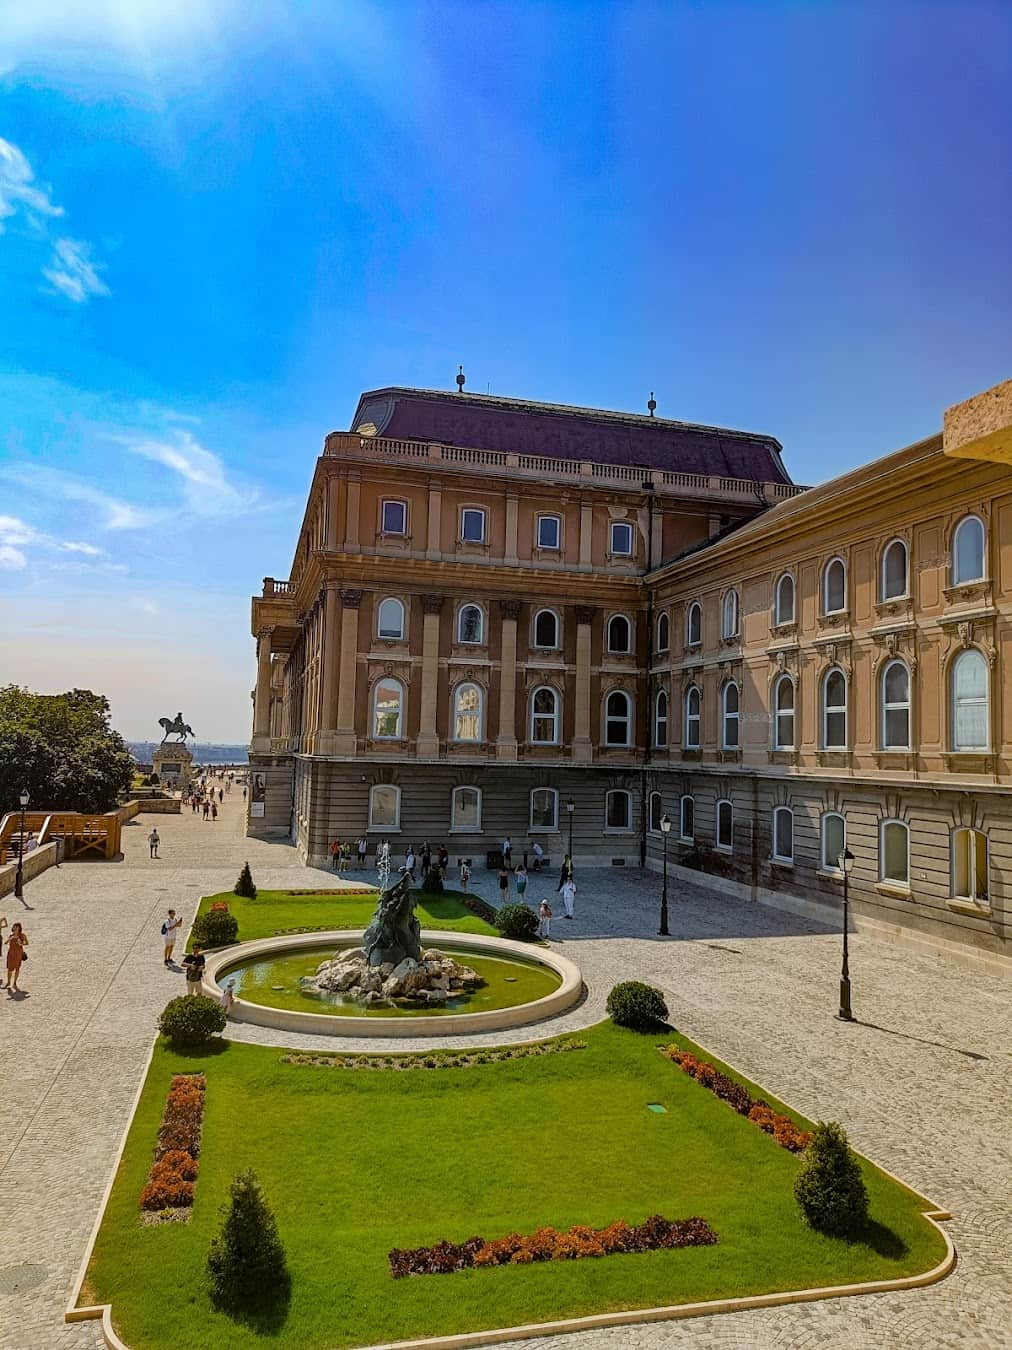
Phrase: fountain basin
(393,1022)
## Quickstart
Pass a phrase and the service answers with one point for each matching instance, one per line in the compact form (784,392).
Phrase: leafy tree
(246,1263)
(62,749)
(829,1187)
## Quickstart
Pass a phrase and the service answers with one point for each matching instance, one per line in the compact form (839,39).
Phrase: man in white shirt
(170,930)
(569,896)
(507,849)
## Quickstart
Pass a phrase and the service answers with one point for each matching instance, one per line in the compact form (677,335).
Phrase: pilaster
(262,695)
(506,740)
(583,745)
(427,741)
(345,741)
(586,536)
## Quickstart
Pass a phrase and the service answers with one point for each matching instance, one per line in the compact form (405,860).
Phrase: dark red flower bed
(759,1112)
(548,1244)
(174,1171)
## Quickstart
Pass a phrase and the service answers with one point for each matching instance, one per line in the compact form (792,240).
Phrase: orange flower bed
(174,1170)
(759,1112)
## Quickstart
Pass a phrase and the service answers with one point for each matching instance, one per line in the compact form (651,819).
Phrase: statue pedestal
(173,764)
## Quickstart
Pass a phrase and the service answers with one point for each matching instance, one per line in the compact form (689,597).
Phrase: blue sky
(219,222)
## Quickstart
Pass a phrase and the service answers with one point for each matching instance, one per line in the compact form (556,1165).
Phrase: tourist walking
(465,871)
(193,803)
(345,856)
(504,884)
(16,954)
(171,925)
(569,896)
(153,842)
(539,856)
(409,862)
(244,794)
(207,808)
(544,919)
(565,872)
(520,877)
(194,964)
(221,796)
(426,858)
(507,851)
(444,861)
(228,997)
(335,852)
(214,809)
(363,849)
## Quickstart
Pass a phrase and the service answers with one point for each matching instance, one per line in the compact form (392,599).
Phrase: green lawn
(272,911)
(355,1163)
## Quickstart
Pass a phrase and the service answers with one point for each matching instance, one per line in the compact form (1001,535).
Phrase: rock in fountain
(391,966)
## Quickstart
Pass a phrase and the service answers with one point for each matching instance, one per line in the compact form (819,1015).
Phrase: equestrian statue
(175,728)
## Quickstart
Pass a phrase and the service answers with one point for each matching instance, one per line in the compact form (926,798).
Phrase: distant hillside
(204,752)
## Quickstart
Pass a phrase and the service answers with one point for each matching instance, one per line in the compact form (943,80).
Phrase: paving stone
(923,1081)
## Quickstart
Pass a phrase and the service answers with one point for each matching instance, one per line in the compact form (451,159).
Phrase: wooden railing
(81,834)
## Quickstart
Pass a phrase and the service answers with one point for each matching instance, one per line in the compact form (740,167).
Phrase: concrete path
(923,1082)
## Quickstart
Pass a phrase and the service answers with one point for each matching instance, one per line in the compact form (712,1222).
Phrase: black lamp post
(665,831)
(570,808)
(846,866)
(19,875)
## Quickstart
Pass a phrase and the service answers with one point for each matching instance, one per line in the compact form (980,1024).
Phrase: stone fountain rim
(559,1000)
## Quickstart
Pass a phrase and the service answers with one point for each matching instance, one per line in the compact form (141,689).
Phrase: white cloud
(72,271)
(116,514)
(18,189)
(12,558)
(72,546)
(206,487)
(16,535)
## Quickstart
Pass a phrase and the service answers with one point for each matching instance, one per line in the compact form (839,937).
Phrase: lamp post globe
(665,831)
(19,875)
(846,861)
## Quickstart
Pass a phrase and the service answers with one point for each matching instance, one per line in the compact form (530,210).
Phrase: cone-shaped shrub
(244,886)
(829,1187)
(246,1264)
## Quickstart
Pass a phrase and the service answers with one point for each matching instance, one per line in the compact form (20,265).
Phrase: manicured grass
(355,1163)
(274,910)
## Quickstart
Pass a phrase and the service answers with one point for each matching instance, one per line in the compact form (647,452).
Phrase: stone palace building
(523,619)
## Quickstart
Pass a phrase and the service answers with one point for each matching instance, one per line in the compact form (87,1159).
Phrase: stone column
(506,740)
(262,697)
(583,744)
(427,741)
(586,536)
(330,660)
(345,737)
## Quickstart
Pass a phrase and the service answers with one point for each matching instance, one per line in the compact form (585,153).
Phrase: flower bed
(441,1059)
(481,908)
(759,1112)
(168,1192)
(547,1244)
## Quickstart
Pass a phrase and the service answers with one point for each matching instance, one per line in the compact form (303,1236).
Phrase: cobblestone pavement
(923,1080)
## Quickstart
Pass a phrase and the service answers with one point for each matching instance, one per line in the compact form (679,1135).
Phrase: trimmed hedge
(172,1174)
(215,928)
(517,921)
(637,1005)
(191,1019)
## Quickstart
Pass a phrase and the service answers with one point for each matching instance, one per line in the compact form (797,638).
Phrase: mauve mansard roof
(487,422)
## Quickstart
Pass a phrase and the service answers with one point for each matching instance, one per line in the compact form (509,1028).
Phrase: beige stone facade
(471,638)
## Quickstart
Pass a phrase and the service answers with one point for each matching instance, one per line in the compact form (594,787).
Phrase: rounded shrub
(517,921)
(829,1186)
(637,1005)
(191,1019)
(215,928)
(432,883)
(244,885)
(246,1265)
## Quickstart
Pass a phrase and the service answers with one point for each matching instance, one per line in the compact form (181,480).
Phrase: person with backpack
(171,925)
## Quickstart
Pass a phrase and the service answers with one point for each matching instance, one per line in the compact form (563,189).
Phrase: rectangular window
(621,538)
(384,808)
(395,518)
(472,525)
(687,820)
(549,532)
(618,811)
(465,812)
(544,809)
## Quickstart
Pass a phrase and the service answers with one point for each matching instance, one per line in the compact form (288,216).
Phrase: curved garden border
(569,992)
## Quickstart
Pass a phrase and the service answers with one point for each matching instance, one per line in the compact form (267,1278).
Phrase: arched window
(971,728)
(968,551)
(894,571)
(390,619)
(544,809)
(686,819)
(969,866)
(832,840)
(783,713)
(724,831)
(783,834)
(545,716)
(729,615)
(834,710)
(663,630)
(618,810)
(834,587)
(470,624)
(729,716)
(783,604)
(894,852)
(465,809)
(895,707)
(694,624)
(467,712)
(619,634)
(693,706)
(661,719)
(384,807)
(617,718)
(387,710)
(656,811)
(546,628)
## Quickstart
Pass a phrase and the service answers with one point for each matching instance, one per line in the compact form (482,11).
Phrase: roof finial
(651,403)
(460,380)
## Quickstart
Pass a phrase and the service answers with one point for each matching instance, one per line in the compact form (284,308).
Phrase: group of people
(193,962)
(16,943)
(341,851)
(567,886)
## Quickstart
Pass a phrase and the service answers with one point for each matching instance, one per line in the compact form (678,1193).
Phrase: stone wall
(39,860)
(277,818)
